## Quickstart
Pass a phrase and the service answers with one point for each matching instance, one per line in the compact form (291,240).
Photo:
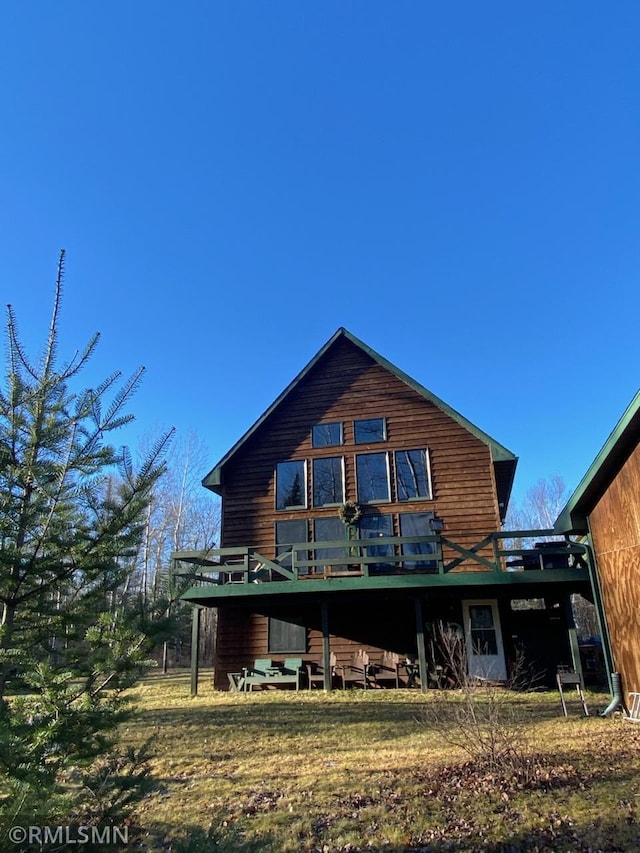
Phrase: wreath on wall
(350,512)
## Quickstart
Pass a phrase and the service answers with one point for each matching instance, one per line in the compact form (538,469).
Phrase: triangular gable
(503,459)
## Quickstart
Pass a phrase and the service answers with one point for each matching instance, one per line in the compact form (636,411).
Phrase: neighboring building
(432,492)
(606,508)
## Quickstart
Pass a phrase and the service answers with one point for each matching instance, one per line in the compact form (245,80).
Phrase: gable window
(326,435)
(286,636)
(291,485)
(413,477)
(418,524)
(372,476)
(370,430)
(328,481)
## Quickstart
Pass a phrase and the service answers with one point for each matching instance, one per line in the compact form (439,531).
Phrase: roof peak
(499,453)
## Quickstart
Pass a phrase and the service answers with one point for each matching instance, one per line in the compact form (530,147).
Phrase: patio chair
(567,677)
(388,669)
(315,671)
(359,671)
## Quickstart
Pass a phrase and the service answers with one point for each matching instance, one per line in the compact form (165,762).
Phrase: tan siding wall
(615,525)
(349,385)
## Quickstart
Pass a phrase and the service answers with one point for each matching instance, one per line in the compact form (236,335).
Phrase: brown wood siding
(349,385)
(615,528)
(345,385)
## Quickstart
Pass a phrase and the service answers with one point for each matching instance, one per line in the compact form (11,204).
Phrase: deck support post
(422,651)
(326,649)
(573,637)
(195,649)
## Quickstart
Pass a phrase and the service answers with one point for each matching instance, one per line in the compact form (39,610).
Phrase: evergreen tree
(72,510)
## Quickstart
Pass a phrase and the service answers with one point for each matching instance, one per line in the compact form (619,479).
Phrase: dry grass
(279,771)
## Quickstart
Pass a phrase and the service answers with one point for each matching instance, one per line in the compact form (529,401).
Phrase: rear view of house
(358,513)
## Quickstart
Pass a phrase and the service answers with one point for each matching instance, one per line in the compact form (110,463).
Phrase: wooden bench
(266,674)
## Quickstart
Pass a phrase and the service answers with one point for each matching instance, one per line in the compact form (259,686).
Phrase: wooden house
(360,511)
(605,508)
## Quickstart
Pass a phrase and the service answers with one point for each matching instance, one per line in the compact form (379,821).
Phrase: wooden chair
(388,670)
(315,671)
(564,678)
(256,674)
(359,671)
(634,713)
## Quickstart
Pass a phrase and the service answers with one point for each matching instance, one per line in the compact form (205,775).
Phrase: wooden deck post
(195,649)
(573,638)
(422,652)
(326,650)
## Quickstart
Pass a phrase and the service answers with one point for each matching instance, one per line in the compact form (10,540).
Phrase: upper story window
(372,478)
(370,430)
(328,481)
(326,435)
(413,475)
(291,485)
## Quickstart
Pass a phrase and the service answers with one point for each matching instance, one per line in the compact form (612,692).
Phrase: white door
(485,651)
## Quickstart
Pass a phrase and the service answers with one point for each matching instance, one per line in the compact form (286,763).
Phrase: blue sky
(455,183)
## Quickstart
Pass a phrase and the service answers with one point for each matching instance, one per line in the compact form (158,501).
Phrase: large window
(291,485)
(372,476)
(376,527)
(418,524)
(413,479)
(286,636)
(370,430)
(328,481)
(287,534)
(326,435)
(328,530)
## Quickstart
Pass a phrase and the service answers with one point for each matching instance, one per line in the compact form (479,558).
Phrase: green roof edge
(499,453)
(573,517)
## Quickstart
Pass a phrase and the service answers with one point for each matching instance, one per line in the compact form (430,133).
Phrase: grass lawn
(346,771)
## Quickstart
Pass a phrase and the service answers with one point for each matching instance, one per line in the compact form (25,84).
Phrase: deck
(385,563)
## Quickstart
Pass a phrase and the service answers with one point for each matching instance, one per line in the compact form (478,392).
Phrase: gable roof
(603,470)
(504,461)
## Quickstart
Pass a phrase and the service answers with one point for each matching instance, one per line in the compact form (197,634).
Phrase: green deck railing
(388,555)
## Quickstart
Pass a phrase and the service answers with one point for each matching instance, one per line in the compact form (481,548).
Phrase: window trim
(339,443)
(428,497)
(386,500)
(305,475)
(385,434)
(287,651)
(313,484)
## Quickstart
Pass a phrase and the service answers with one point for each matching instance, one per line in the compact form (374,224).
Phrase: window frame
(376,500)
(292,507)
(341,500)
(291,648)
(385,434)
(338,443)
(414,560)
(282,547)
(429,481)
